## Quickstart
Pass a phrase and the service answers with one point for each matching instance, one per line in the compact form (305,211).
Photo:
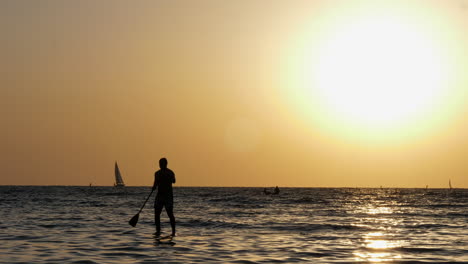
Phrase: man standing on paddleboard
(163,180)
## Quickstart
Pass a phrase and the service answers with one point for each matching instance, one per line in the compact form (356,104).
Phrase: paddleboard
(164,240)
(163,237)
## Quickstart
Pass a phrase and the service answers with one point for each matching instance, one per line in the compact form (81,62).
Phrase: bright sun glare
(374,71)
(379,72)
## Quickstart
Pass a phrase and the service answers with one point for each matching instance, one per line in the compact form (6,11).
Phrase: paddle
(134,219)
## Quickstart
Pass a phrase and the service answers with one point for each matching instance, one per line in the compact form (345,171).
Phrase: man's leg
(157,219)
(170,213)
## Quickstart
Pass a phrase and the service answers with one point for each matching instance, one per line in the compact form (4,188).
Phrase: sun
(374,71)
(378,72)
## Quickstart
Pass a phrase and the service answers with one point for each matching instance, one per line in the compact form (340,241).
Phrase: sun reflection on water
(379,246)
(375,241)
(379,210)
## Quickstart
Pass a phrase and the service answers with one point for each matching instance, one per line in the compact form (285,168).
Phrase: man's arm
(173,177)
(155,184)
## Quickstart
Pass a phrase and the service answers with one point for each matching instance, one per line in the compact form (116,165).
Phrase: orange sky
(211,86)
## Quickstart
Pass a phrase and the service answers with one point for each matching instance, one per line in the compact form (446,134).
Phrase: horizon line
(316,187)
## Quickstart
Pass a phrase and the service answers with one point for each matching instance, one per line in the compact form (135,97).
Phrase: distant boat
(118,177)
(450,185)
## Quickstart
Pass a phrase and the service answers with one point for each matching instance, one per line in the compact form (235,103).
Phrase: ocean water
(54,224)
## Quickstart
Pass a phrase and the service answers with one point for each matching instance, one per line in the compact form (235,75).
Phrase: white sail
(118,177)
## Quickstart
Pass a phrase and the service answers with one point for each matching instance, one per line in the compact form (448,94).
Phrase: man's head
(163,163)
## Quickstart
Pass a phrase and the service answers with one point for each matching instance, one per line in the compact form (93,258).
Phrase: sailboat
(450,184)
(118,177)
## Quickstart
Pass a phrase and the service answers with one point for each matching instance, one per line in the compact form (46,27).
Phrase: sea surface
(56,224)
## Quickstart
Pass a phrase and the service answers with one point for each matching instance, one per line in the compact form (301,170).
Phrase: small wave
(114,194)
(458,214)
(321,227)
(48,226)
(244,262)
(434,226)
(213,224)
(22,237)
(418,250)
(448,205)
(123,254)
(128,248)
(308,200)
(235,213)
(314,254)
(93,203)
(296,227)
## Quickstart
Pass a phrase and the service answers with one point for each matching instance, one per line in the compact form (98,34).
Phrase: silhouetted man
(163,180)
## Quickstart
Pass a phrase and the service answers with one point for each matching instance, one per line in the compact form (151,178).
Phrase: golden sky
(235,93)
